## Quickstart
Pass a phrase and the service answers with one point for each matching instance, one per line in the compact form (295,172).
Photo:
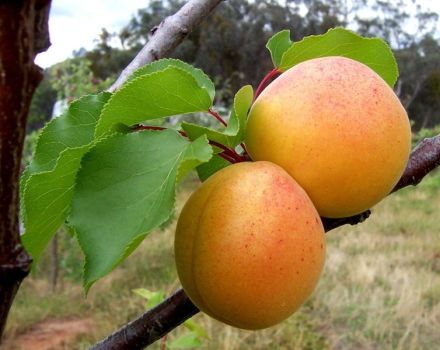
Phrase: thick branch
(148,328)
(152,325)
(23,34)
(424,158)
(170,33)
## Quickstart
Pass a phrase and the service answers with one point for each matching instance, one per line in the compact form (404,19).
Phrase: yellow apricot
(249,245)
(337,128)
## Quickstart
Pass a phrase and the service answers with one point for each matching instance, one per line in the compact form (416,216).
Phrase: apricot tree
(111,177)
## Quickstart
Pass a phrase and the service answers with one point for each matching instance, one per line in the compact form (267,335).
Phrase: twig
(217,116)
(168,34)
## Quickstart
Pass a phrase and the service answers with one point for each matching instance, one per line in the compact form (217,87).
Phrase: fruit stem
(272,74)
(228,151)
(217,116)
(228,158)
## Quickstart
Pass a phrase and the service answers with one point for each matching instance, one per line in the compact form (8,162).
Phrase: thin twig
(168,34)
(217,116)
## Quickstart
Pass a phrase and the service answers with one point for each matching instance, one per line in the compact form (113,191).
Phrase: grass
(380,288)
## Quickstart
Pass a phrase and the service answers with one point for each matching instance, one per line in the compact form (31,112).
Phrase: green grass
(380,288)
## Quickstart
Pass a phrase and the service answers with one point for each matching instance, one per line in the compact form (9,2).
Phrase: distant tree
(42,104)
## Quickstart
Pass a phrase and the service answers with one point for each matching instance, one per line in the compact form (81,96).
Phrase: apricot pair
(328,134)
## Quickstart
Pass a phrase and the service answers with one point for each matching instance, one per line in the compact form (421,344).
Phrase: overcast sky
(77,23)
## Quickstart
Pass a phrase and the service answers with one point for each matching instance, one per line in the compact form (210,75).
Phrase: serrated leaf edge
(270,51)
(141,236)
(395,66)
(128,84)
(180,61)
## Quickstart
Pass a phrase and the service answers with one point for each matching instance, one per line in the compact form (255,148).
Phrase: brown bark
(23,33)
(152,325)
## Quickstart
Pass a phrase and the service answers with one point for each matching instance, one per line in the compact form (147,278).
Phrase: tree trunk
(23,34)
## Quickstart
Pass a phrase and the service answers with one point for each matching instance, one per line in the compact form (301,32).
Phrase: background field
(380,288)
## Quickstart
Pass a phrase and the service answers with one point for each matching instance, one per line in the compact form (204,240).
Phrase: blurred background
(381,285)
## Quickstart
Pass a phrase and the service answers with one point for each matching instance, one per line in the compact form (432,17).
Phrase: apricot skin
(249,245)
(337,128)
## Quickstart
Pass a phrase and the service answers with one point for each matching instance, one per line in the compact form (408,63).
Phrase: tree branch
(168,34)
(152,325)
(173,311)
(23,34)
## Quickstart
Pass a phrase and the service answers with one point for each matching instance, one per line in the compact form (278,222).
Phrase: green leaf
(277,45)
(215,164)
(75,128)
(125,188)
(373,52)
(233,134)
(195,327)
(164,93)
(47,198)
(47,184)
(196,153)
(201,78)
(153,298)
(186,341)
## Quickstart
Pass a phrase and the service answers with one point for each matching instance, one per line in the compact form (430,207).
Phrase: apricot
(249,245)
(337,128)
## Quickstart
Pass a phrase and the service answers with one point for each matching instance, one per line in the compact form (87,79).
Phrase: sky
(77,23)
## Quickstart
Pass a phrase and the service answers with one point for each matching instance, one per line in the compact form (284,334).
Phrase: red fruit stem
(272,74)
(217,116)
(228,158)
(228,151)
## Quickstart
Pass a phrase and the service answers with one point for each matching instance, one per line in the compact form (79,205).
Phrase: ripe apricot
(249,245)
(337,128)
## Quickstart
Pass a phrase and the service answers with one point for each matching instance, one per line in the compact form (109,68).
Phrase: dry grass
(380,288)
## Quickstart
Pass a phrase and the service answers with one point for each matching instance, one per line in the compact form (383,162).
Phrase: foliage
(73,78)
(112,180)
(30,142)
(42,104)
